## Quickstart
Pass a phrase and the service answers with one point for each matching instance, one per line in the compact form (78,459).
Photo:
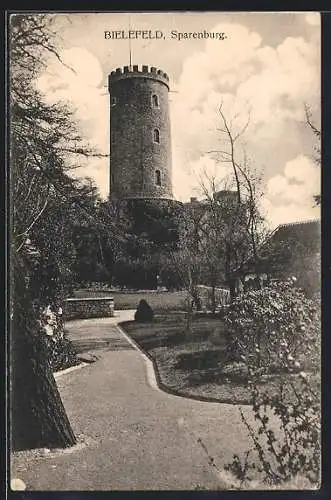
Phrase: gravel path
(132,435)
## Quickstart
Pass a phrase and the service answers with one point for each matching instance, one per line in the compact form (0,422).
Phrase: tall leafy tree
(46,202)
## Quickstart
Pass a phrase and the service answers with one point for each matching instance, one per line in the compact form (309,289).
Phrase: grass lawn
(159,301)
(193,367)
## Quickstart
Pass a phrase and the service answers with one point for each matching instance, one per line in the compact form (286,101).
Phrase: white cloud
(301,180)
(280,214)
(277,185)
(302,169)
(243,72)
(271,84)
(203,175)
(289,197)
(77,82)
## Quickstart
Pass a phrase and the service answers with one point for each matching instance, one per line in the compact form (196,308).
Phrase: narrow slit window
(155,100)
(156,135)
(113,101)
(158,177)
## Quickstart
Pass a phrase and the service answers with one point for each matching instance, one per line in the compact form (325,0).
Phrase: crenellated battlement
(136,71)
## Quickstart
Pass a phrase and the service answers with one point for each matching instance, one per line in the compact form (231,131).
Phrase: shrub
(287,439)
(278,328)
(275,328)
(286,448)
(144,312)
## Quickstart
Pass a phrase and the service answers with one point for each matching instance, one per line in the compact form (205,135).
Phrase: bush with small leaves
(276,328)
(289,449)
(144,312)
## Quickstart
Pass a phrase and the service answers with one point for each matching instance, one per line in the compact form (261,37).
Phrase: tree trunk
(213,299)
(38,417)
(196,297)
(231,285)
(189,317)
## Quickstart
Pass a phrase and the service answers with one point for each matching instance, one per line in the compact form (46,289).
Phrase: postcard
(164,179)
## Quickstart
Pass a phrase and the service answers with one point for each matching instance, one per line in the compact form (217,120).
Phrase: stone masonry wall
(134,155)
(91,307)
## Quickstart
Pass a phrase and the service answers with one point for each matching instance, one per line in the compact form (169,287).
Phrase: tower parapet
(134,72)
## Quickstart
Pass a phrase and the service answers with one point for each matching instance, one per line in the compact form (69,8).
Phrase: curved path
(134,436)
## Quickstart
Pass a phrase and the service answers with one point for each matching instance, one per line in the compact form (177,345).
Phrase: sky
(263,73)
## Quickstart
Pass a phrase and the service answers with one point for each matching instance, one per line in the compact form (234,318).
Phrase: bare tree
(236,220)
(247,180)
(186,259)
(224,240)
(221,231)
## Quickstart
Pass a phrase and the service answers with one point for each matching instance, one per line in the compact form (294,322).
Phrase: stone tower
(140,137)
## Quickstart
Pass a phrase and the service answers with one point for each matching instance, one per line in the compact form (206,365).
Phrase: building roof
(288,241)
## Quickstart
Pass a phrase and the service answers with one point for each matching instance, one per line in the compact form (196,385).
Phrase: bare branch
(219,151)
(60,188)
(316,131)
(243,130)
(28,229)
(231,153)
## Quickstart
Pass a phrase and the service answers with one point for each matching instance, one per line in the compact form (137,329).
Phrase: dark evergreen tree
(144,312)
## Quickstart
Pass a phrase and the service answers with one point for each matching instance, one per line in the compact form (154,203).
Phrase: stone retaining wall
(91,307)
